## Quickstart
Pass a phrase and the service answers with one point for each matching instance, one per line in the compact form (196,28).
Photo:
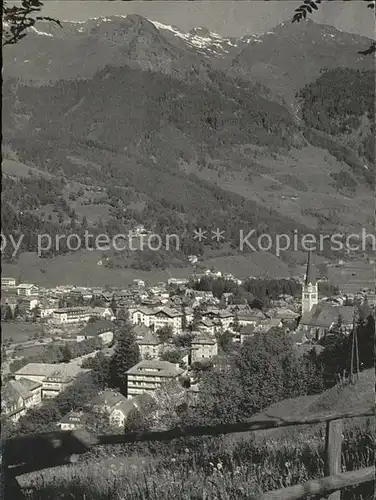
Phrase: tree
(100,369)
(264,370)
(8,315)
(65,353)
(16,312)
(366,342)
(78,395)
(17,19)
(235,324)
(183,340)
(35,313)
(173,356)
(113,305)
(165,334)
(40,419)
(225,340)
(126,355)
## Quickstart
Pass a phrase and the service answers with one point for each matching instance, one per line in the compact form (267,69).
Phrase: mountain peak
(201,31)
(137,21)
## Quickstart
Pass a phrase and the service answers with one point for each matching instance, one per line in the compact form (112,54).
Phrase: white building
(8,282)
(18,396)
(203,347)
(150,346)
(71,421)
(148,375)
(54,377)
(157,318)
(69,315)
(102,329)
(25,289)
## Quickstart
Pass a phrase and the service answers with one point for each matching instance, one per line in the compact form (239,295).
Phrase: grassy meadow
(210,469)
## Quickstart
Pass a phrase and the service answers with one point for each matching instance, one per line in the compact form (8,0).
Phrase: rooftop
(64,371)
(324,315)
(96,328)
(109,398)
(155,368)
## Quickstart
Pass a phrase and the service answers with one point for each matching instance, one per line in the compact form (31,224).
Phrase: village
(177,325)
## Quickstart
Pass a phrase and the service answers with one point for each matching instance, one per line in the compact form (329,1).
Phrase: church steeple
(309,289)
(310,277)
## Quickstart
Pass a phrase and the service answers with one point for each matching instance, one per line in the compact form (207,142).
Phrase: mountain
(175,137)
(79,50)
(283,60)
(293,55)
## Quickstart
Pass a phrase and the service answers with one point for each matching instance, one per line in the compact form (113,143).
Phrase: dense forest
(340,105)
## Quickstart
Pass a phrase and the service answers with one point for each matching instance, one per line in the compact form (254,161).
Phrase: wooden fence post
(333,448)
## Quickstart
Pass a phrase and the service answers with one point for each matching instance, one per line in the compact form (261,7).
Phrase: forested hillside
(340,103)
(175,144)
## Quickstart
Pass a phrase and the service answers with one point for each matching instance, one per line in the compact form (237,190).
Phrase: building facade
(148,375)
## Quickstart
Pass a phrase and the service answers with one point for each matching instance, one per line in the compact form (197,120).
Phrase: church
(320,318)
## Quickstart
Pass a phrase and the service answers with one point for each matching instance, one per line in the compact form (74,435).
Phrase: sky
(229,18)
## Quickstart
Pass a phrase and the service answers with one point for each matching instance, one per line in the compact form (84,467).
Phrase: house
(140,331)
(27,304)
(167,316)
(324,317)
(18,396)
(103,329)
(203,347)
(150,346)
(115,405)
(139,283)
(54,378)
(120,412)
(177,281)
(106,400)
(8,282)
(72,421)
(286,315)
(26,289)
(157,318)
(221,317)
(227,297)
(148,375)
(263,326)
(250,318)
(46,309)
(71,315)
(103,313)
(206,326)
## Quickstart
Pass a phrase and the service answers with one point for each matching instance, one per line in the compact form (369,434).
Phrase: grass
(353,276)
(81,268)
(202,468)
(18,332)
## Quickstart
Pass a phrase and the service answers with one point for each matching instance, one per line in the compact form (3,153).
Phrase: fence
(32,453)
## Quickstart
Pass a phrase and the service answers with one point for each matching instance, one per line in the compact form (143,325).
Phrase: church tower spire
(309,289)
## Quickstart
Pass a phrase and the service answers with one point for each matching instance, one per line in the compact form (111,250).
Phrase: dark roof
(324,315)
(310,277)
(109,398)
(98,327)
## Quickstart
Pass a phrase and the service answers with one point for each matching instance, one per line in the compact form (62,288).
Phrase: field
(353,276)
(81,268)
(18,332)
(18,169)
